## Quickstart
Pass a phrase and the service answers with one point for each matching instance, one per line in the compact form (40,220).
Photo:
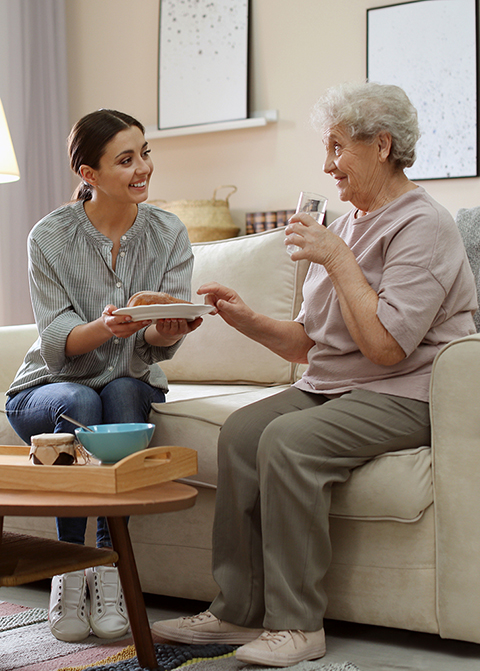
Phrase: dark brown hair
(88,139)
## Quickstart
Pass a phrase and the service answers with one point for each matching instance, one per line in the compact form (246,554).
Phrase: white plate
(186,311)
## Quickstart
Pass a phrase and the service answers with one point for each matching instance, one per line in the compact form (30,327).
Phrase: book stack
(256,222)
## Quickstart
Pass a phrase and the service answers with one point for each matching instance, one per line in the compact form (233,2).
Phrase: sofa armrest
(15,341)
(455,414)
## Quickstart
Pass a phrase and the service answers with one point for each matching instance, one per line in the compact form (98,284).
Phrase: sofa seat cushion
(188,392)
(196,423)
(393,486)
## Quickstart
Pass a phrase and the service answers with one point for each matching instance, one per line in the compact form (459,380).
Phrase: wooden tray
(144,468)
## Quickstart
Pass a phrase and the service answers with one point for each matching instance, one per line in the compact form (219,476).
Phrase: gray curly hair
(367,109)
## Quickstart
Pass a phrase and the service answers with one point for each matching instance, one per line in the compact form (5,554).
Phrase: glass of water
(315,205)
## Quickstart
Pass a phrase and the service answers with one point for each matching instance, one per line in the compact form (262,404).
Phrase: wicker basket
(204,219)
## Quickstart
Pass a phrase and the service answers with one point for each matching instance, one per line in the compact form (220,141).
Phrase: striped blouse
(72,280)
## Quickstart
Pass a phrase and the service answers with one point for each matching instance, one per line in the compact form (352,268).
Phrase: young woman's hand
(171,330)
(121,326)
(164,333)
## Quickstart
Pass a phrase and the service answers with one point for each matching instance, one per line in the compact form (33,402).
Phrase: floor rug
(26,643)
(202,658)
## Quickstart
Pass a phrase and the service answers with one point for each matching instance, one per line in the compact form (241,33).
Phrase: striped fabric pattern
(72,280)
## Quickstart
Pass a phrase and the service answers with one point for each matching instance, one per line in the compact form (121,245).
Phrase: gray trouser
(278,459)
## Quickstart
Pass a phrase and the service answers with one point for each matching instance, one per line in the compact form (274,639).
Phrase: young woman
(85,260)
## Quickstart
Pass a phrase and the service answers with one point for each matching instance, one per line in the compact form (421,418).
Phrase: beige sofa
(405,527)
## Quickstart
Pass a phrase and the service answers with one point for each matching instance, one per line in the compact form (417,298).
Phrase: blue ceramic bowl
(112,442)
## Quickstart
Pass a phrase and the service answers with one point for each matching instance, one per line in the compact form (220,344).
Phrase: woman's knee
(124,385)
(254,427)
(78,394)
(239,436)
(40,409)
(282,442)
(127,399)
(81,402)
(244,426)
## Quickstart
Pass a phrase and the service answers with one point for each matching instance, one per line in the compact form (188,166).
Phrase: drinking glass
(315,205)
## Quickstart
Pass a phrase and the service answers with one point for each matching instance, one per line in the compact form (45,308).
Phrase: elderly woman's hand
(314,241)
(228,304)
(286,338)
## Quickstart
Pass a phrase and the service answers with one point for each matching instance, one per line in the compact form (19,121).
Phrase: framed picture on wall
(429,48)
(203,62)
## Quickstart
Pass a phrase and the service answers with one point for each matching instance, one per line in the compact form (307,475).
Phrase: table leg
(127,568)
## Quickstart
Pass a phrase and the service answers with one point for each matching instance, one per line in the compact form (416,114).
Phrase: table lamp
(9,171)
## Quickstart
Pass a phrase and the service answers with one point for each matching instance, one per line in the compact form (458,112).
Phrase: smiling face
(124,171)
(361,170)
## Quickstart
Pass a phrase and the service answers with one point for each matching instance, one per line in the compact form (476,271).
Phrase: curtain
(33,89)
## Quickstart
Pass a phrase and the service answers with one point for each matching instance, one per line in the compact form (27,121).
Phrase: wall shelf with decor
(257,119)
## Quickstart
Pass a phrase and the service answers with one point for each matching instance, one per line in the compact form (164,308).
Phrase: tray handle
(150,456)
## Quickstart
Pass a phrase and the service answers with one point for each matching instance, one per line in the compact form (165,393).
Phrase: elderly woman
(389,284)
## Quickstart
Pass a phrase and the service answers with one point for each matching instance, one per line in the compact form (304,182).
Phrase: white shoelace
(279,636)
(201,617)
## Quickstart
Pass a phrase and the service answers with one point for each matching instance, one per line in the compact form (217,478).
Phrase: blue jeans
(38,409)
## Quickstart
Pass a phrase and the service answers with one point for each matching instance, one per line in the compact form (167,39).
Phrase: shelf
(257,119)
(27,558)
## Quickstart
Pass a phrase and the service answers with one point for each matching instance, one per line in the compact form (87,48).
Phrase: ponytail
(82,192)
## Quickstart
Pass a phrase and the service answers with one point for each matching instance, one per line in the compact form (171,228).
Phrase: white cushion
(259,269)
(392,486)
(186,392)
(196,423)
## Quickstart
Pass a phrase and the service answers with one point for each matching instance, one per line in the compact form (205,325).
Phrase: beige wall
(299,48)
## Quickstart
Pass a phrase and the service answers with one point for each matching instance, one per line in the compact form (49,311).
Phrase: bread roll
(152,298)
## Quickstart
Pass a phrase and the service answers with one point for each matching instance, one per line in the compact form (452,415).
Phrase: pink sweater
(413,256)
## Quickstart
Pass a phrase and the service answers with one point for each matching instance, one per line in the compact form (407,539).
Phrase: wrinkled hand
(121,326)
(317,244)
(227,304)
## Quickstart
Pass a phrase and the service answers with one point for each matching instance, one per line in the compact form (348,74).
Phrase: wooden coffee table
(25,558)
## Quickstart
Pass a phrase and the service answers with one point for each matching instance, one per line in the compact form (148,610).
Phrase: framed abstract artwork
(429,48)
(203,62)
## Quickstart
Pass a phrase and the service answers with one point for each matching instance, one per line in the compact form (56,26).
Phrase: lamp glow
(9,171)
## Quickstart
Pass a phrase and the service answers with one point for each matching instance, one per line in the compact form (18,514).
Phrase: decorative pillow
(468,222)
(260,270)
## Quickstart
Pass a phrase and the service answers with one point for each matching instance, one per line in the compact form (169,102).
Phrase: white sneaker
(108,615)
(283,648)
(67,616)
(204,628)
